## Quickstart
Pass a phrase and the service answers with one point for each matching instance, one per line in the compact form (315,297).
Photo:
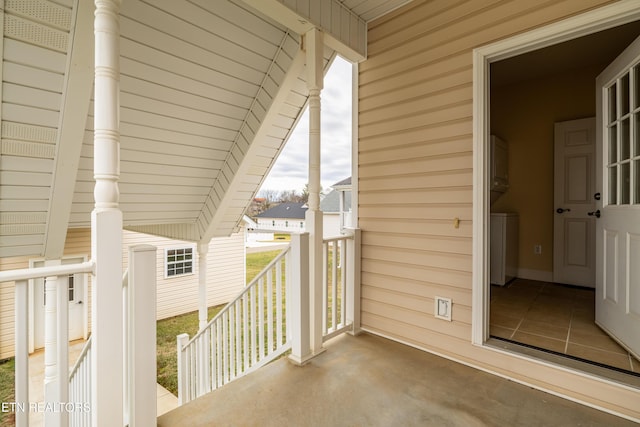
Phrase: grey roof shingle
(285,210)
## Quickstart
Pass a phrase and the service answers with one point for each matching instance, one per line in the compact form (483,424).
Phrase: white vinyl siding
(179,294)
(35,41)
(415,166)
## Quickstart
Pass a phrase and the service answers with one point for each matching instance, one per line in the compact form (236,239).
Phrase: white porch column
(106,225)
(203,250)
(62,348)
(203,348)
(51,354)
(142,337)
(298,299)
(313,218)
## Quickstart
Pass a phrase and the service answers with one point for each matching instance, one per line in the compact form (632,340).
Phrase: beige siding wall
(178,295)
(78,242)
(415,179)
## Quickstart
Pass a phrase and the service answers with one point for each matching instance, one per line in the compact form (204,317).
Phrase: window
(178,262)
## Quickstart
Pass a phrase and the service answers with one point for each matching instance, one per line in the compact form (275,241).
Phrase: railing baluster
(270,310)
(219,348)
(261,319)
(325,305)
(22,352)
(238,355)
(225,347)
(245,329)
(279,304)
(214,358)
(334,285)
(343,281)
(232,343)
(254,341)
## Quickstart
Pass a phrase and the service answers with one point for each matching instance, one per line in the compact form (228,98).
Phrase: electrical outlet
(442,308)
(537,249)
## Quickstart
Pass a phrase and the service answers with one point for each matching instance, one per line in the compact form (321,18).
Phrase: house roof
(209,94)
(331,202)
(345,182)
(288,210)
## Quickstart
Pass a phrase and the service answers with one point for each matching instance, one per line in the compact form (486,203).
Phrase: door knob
(560,210)
(595,213)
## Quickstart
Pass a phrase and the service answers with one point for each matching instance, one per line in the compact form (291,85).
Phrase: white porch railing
(58,274)
(72,391)
(341,284)
(80,388)
(272,315)
(248,333)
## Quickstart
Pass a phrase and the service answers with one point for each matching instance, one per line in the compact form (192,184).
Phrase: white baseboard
(539,275)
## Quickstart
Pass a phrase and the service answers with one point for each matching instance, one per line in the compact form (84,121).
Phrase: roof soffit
(76,100)
(345,31)
(239,160)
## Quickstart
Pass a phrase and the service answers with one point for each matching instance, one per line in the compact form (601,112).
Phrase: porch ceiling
(210,92)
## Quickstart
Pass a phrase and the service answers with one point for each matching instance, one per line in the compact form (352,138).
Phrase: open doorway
(530,94)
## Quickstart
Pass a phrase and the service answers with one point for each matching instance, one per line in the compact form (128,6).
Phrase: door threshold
(611,373)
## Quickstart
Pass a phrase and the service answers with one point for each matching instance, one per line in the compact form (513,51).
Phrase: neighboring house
(336,208)
(252,234)
(209,93)
(177,281)
(288,217)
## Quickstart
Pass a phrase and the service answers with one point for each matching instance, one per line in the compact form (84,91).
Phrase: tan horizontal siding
(415,163)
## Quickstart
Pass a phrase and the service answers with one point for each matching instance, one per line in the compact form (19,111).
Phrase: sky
(290,171)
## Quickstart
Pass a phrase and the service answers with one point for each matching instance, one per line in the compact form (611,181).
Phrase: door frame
(599,19)
(32,301)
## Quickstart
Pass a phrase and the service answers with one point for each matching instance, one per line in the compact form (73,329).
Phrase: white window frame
(167,263)
(599,19)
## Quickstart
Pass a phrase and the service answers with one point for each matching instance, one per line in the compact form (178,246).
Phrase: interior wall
(523,114)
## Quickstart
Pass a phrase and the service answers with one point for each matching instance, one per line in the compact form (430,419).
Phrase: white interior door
(618,229)
(574,230)
(77,317)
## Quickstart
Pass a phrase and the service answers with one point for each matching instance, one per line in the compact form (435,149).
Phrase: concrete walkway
(255,247)
(166,400)
(371,381)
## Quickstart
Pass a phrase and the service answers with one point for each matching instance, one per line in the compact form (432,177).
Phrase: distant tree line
(267,199)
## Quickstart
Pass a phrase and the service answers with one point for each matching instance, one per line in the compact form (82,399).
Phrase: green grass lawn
(7,390)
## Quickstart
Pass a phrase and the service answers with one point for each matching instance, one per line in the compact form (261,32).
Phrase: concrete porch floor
(371,381)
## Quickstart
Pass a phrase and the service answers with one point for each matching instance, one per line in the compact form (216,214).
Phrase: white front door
(618,228)
(574,245)
(77,316)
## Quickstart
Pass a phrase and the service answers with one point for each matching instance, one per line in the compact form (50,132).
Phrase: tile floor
(555,317)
